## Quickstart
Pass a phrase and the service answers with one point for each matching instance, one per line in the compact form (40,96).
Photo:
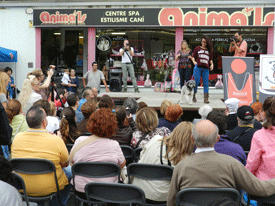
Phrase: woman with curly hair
(16,119)
(67,126)
(97,147)
(147,122)
(172,114)
(29,93)
(4,82)
(168,150)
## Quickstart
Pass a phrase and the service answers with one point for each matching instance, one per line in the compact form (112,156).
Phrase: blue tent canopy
(7,55)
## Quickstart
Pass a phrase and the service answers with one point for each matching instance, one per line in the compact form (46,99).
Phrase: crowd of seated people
(209,153)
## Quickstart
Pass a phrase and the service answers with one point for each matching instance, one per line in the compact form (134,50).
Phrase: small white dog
(187,92)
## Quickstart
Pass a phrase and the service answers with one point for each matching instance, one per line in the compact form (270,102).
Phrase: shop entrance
(64,48)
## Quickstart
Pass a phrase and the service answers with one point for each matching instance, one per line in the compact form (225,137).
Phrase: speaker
(115,80)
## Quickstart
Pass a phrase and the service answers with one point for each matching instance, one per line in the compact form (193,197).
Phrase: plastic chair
(114,193)
(203,196)
(33,166)
(128,153)
(69,147)
(137,152)
(149,172)
(94,170)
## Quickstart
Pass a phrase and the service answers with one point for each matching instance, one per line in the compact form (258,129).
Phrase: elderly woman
(16,119)
(174,148)
(98,147)
(172,114)
(203,112)
(87,109)
(261,158)
(29,93)
(68,128)
(147,122)
(4,82)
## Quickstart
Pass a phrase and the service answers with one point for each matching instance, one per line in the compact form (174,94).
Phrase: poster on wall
(266,77)
(104,43)
(239,82)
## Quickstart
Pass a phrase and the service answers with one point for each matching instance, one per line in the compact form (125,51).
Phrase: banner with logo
(239,79)
(128,17)
(266,77)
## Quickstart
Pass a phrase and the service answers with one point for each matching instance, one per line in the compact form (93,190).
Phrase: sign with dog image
(266,77)
(239,79)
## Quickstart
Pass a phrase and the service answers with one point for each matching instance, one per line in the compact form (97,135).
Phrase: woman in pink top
(102,124)
(261,158)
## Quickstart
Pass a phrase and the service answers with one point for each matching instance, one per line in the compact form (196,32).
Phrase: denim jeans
(185,75)
(130,68)
(204,73)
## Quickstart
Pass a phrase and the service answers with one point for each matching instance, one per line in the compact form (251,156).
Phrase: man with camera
(127,54)
(238,45)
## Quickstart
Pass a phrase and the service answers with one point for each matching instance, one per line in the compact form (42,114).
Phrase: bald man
(208,169)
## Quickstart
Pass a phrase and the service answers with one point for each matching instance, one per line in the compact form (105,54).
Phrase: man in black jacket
(244,132)
(5,129)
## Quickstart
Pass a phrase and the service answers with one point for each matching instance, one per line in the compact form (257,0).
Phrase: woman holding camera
(185,66)
(203,61)
(43,85)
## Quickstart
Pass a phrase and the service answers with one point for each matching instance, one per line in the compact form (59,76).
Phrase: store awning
(7,55)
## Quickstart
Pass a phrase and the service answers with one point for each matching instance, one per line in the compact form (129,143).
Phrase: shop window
(63,48)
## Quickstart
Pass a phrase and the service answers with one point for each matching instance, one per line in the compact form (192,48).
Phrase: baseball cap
(245,113)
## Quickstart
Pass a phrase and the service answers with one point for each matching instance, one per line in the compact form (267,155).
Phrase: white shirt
(33,98)
(204,149)
(154,189)
(124,57)
(53,124)
(9,195)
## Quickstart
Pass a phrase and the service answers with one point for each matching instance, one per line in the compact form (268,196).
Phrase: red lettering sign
(75,18)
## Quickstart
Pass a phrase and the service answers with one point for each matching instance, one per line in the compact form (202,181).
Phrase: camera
(127,44)
(233,39)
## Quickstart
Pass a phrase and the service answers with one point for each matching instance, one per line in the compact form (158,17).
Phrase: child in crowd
(66,78)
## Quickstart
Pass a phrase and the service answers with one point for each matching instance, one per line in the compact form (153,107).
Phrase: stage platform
(154,99)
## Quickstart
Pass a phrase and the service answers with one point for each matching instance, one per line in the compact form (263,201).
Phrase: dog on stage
(187,92)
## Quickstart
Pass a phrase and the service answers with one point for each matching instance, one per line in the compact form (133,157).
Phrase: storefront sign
(267,77)
(156,17)
(238,75)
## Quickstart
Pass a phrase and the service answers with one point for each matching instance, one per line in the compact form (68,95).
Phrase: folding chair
(204,196)
(128,153)
(149,172)
(94,170)
(114,193)
(33,166)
